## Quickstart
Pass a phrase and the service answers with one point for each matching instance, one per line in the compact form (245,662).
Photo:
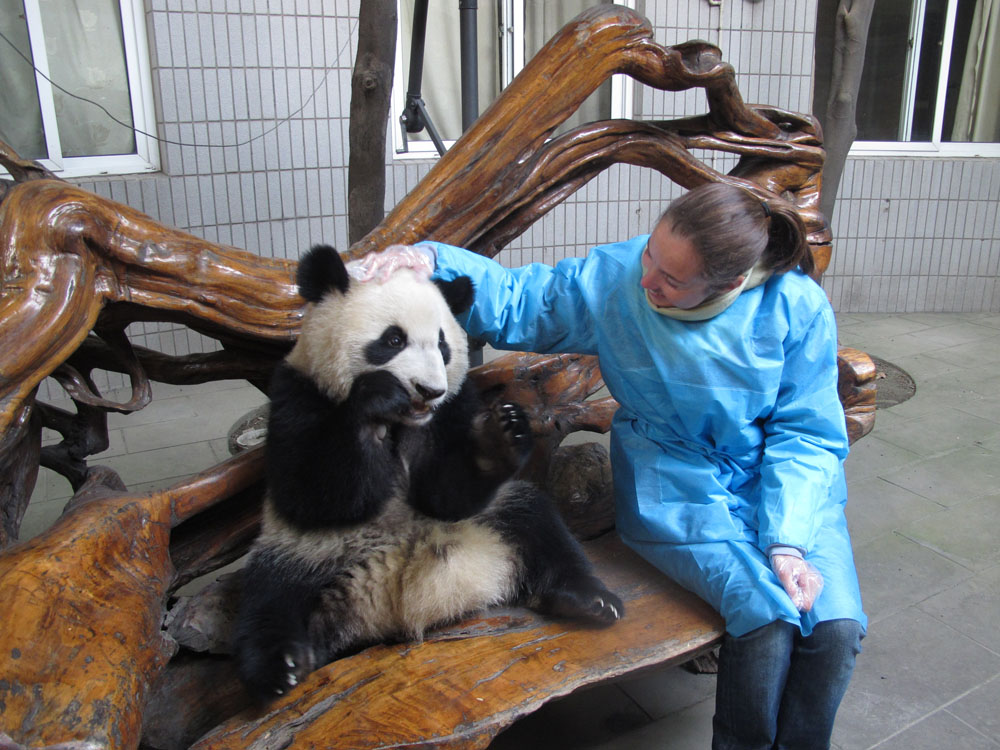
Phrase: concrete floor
(924,512)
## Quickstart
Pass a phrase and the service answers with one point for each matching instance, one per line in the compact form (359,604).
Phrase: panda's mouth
(420,411)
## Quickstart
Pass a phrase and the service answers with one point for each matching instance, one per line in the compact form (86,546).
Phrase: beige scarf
(715,305)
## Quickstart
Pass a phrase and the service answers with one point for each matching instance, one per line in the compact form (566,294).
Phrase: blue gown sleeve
(535,308)
(805,440)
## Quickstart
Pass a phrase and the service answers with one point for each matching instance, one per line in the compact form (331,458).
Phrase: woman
(727,451)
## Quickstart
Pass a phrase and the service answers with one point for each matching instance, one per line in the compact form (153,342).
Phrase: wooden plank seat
(84,658)
(462,685)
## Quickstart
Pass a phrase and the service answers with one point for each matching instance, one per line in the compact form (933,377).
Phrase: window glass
(441,83)
(880,99)
(87,57)
(21,113)
(931,72)
(510,32)
(76,85)
(972,111)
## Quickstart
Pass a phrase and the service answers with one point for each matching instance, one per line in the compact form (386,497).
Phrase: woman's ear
(733,284)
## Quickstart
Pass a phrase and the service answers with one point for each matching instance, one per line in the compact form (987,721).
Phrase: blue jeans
(778,690)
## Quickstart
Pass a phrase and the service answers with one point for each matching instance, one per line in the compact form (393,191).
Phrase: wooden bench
(82,647)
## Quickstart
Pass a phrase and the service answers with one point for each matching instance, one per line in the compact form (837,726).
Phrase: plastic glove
(801,580)
(380,266)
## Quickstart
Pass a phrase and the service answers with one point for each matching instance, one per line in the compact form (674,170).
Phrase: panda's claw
(610,611)
(607,608)
(504,440)
(515,425)
(515,420)
(279,668)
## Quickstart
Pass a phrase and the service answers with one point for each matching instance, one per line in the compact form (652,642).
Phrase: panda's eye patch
(443,347)
(392,341)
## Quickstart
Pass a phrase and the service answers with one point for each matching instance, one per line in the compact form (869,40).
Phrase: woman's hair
(732,229)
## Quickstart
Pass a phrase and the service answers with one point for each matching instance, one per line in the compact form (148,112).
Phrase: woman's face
(672,270)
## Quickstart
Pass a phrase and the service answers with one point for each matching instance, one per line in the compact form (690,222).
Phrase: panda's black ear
(320,271)
(458,293)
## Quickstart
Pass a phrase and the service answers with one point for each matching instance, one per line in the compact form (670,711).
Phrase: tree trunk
(371,86)
(840,128)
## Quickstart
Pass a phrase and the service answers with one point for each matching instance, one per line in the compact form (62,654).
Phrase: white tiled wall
(917,235)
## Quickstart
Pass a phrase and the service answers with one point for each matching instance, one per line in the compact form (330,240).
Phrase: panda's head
(404,325)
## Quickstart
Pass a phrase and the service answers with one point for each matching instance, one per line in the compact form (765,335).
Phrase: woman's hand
(801,580)
(381,265)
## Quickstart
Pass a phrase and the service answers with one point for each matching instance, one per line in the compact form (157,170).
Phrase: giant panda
(391,505)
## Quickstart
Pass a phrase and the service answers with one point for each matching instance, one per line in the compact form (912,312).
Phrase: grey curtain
(977,113)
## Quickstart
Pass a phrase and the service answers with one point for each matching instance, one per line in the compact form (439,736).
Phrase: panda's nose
(428,394)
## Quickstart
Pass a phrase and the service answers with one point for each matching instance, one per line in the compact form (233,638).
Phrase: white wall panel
(938,220)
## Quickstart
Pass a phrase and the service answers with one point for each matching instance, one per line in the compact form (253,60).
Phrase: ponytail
(787,247)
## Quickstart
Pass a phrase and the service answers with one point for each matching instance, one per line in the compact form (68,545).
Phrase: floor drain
(893,383)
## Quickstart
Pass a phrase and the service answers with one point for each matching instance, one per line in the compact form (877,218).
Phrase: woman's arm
(806,439)
(536,308)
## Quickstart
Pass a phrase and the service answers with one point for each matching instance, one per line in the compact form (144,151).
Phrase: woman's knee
(838,635)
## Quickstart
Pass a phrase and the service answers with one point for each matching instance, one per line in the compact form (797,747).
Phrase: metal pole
(469,57)
(467,12)
(415,117)
(417,47)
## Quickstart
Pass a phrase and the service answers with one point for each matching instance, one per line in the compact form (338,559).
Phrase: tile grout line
(942,707)
(969,726)
(951,627)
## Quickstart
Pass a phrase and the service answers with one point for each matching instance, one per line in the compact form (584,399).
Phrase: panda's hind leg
(578,595)
(556,577)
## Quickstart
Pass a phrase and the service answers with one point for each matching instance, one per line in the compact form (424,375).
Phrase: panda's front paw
(504,438)
(380,395)
(517,429)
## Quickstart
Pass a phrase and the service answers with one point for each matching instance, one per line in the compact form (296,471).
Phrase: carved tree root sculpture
(81,643)
(474,199)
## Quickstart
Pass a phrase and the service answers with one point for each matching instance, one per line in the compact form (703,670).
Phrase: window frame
(936,146)
(512,62)
(139,73)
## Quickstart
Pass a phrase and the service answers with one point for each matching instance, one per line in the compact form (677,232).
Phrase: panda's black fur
(391,503)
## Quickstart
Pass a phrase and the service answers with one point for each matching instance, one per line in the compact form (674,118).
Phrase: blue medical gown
(730,436)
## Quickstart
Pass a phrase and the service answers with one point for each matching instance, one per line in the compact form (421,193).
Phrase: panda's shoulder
(287,381)
(295,394)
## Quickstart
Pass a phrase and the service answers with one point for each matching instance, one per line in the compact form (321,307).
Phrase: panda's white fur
(420,573)
(391,503)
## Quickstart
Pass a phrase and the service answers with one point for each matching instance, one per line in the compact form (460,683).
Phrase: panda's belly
(451,570)
(401,573)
